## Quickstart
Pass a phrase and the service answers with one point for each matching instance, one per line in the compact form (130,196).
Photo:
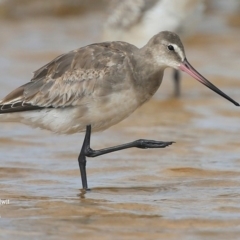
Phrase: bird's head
(167,50)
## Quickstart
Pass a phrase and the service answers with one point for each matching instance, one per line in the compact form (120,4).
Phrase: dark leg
(86,151)
(82,157)
(176,78)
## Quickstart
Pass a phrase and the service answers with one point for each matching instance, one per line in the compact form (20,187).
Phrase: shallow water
(190,190)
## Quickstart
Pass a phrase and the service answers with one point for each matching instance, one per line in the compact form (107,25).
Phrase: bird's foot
(143,143)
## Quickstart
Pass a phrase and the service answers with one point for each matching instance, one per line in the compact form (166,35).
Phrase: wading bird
(136,21)
(97,86)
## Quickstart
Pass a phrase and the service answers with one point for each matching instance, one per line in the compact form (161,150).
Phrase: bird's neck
(147,75)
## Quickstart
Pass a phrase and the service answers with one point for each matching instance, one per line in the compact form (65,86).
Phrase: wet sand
(190,190)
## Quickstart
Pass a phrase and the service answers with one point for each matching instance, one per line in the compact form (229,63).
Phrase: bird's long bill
(186,67)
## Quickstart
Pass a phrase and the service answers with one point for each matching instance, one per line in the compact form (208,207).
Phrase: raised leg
(176,78)
(86,151)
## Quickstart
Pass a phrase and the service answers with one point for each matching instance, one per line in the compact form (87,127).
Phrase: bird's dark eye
(170,47)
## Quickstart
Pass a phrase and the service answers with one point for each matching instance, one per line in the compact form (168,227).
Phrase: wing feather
(66,80)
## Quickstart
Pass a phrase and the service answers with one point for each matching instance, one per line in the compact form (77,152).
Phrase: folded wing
(67,80)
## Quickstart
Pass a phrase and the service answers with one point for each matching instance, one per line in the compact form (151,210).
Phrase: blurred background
(190,190)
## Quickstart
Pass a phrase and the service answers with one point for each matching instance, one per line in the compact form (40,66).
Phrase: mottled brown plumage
(67,79)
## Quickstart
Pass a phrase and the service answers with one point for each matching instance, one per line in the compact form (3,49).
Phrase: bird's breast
(111,109)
